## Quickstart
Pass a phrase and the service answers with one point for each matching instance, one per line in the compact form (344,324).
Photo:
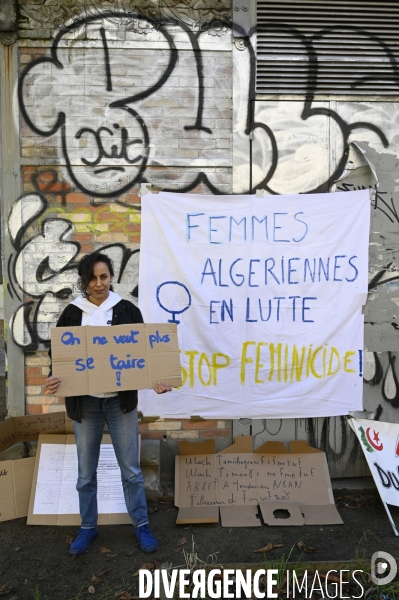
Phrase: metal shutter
(327,47)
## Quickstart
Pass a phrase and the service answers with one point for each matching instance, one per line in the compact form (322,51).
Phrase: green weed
(38,594)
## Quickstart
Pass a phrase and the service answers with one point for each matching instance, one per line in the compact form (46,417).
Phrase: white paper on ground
(56,481)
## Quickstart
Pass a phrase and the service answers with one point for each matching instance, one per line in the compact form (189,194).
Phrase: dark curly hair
(85,270)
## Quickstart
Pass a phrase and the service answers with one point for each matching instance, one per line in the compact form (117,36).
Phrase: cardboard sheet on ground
(29,427)
(96,360)
(54,499)
(16,475)
(15,486)
(380,444)
(238,480)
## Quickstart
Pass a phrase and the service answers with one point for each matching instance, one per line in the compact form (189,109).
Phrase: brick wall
(179,138)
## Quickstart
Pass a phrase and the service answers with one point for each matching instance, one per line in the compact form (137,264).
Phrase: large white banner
(267,293)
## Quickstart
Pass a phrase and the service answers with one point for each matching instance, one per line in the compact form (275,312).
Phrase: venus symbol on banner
(175,296)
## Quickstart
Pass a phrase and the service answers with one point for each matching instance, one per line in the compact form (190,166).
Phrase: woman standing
(99,305)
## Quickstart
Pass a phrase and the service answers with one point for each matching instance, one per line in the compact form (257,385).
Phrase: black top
(123,313)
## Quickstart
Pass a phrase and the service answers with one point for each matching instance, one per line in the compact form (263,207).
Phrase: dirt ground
(35,564)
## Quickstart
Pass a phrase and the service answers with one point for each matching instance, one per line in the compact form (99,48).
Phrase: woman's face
(98,287)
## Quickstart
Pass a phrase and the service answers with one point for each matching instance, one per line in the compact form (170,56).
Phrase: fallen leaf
(7,590)
(69,539)
(149,566)
(112,555)
(175,550)
(308,549)
(5,586)
(356,506)
(104,572)
(91,590)
(95,579)
(269,547)
(182,541)
(126,596)
(104,550)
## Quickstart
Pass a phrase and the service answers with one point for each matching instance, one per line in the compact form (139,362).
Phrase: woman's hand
(161,388)
(51,385)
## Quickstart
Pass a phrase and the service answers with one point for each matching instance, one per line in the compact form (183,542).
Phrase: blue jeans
(123,428)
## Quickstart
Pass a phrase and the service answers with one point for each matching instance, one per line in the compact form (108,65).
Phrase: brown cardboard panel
(22,505)
(177,480)
(73,383)
(6,479)
(206,447)
(117,519)
(135,356)
(158,331)
(272,448)
(29,427)
(172,380)
(7,434)
(326,514)
(302,446)
(103,378)
(296,478)
(114,519)
(15,485)
(198,485)
(7,509)
(242,443)
(244,479)
(237,475)
(239,516)
(269,512)
(65,338)
(15,488)
(62,520)
(23,475)
(201,514)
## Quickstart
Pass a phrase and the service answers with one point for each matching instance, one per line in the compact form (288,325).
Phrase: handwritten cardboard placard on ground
(15,485)
(29,427)
(237,480)
(96,360)
(16,475)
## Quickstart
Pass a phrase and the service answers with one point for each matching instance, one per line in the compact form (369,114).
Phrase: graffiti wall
(107,101)
(110,104)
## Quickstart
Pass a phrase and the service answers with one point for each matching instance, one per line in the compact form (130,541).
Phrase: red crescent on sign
(376,446)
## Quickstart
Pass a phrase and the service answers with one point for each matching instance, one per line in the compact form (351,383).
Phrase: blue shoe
(147,542)
(83,540)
